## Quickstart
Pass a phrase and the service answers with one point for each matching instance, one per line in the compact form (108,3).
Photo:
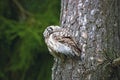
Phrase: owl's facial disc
(50,30)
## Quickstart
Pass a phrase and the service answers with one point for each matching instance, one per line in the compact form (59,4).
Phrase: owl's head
(49,30)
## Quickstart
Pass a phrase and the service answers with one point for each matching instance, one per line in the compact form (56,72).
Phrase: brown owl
(60,42)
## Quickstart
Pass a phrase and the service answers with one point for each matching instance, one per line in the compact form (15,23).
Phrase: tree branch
(23,12)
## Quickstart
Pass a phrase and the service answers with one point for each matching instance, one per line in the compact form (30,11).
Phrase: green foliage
(46,11)
(23,54)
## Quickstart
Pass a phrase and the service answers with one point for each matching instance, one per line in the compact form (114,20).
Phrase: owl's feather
(60,42)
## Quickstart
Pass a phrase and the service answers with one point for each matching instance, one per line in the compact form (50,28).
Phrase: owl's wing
(68,41)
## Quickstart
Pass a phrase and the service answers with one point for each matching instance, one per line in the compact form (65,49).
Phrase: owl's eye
(50,30)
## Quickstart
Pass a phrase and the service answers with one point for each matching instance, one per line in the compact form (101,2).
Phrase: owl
(60,42)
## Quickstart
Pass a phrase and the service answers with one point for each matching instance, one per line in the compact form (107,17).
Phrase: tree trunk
(95,26)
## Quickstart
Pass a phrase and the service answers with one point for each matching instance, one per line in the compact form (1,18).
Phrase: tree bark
(95,26)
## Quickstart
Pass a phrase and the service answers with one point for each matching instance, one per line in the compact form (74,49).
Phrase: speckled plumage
(60,42)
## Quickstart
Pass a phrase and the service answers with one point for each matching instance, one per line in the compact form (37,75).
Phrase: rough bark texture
(96,27)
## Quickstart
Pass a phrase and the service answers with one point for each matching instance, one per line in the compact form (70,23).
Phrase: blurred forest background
(23,53)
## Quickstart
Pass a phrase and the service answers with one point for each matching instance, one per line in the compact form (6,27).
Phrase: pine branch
(24,13)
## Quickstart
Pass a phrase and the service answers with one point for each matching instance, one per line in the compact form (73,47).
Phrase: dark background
(23,53)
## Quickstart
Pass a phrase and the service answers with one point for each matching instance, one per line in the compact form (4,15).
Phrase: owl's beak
(50,33)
